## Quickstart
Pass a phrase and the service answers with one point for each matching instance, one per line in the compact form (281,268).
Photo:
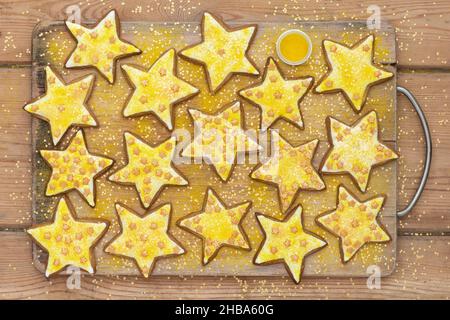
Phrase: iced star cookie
(217,225)
(75,168)
(278,97)
(219,138)
(149,168)
(63,105)
(157,89)
(223,51)
(354,222)
(100,46)
(356,149)
(351,70)
(290,168)
(67,240)
(144,239)
(287,242)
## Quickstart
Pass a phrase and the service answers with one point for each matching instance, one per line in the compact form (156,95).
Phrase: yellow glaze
(287,241)
(290,168)
(157,89)
(294,47)
(149,168)
(63,105)
(352,70)
(220,137)
(99,47)
(144,239)
(278,97)
(356,149)
(354,222)
(222,51)
(67,240)
(74,168)
(218,226)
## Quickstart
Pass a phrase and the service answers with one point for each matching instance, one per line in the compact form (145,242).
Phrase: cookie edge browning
(266,70)
(330,69)
(118,31)
(330,149)
(91,249)
(172,105)
(98,175)
(228,29)
(148,212)
(377,219)
(289,215)
(202,238)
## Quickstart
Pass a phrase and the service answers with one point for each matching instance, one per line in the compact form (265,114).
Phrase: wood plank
(430,89)
(420,24)
(421,273)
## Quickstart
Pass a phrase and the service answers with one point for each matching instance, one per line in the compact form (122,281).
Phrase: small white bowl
(303,34)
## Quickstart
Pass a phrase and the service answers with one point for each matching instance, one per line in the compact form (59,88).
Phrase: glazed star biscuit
(354,222)
(144,239)
(149,168)
(278,97)
(74,168)
(351,70)
(100,46)
(222,51)
(220,138)
(289,168)
(287,242)
(218,226)
(157,89)
(63,105)
(67,240)
(356,149)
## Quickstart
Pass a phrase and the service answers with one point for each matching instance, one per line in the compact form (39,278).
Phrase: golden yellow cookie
(219,138)
(354,222)
(149,168)
(100,46)
(218,226)
(144,239)
(67,240)
(356,149)
(63,105)
(157,89)
(278,97)
(351,70)
(222,51)
(290,168)
(287,242)
(75,168)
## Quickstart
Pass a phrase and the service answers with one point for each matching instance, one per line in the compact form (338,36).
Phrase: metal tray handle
(428,145)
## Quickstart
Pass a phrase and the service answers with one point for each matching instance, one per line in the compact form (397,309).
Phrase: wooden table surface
(423,265)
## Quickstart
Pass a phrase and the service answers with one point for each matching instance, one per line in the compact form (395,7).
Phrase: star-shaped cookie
(157,89)
(100,46)
(289,168)
(354,222)
(356,149)
(351,70)
(144,239)
(219,138)
(67,240)
(217,225)
(287,242)
(278,97)
(223,51)
(149,168)
(63,105)
(75,168)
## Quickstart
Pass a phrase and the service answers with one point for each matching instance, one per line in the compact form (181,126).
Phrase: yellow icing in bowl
(294,47)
